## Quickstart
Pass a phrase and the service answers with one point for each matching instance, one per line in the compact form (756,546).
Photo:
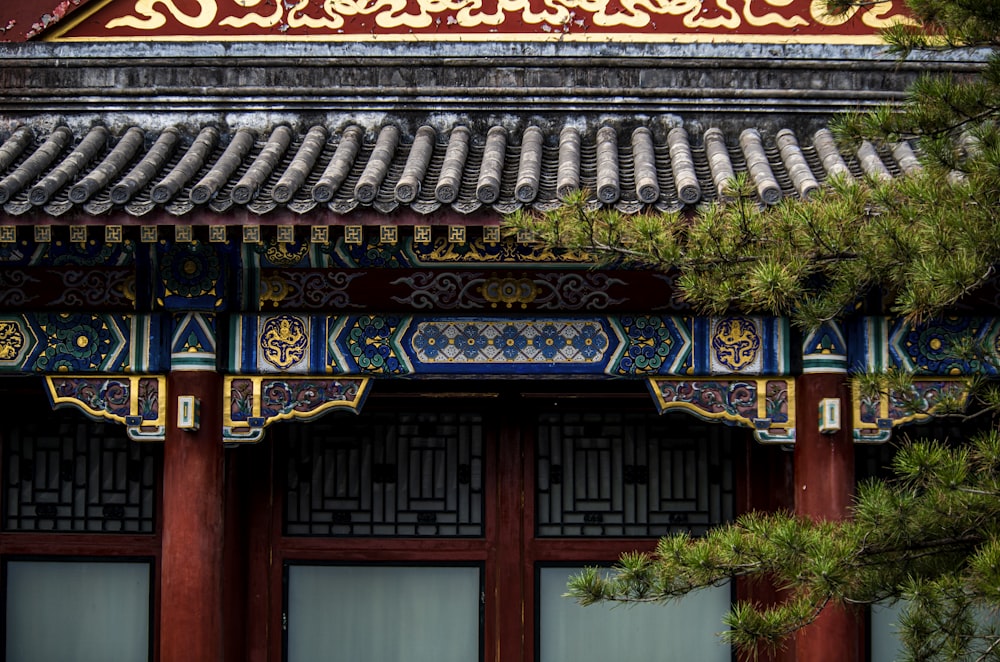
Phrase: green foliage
(921,241)
(930,536)
(918,243)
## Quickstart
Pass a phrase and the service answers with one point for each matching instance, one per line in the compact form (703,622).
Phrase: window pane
(79,611)
(383,613)
(884,627)
(884,632)
(676,632)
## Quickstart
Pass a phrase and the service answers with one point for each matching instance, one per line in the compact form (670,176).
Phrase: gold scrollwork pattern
(11,341)
(736,343)
(559,18)
(284,341)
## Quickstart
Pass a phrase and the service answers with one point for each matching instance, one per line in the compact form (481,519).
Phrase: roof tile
(464,168)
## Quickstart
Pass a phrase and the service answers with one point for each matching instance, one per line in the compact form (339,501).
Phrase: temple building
(275,385)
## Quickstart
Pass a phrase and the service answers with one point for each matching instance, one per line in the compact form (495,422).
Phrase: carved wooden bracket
(253,403)
(876,416)
(136,401)
(766,406)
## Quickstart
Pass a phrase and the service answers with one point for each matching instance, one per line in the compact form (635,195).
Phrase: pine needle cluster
(930,536)
(917,244)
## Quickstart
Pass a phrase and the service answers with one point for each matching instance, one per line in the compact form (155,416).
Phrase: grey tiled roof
(386,169)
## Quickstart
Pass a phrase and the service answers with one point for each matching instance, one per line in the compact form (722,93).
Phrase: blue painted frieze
(390,345)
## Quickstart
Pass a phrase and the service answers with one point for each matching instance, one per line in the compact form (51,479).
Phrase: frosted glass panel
(77,611)
(885,643)
(884,628)
(383,614)
(677,632)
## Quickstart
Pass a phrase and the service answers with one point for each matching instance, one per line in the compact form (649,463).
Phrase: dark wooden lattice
(403,474)
(78,477)
(630,475)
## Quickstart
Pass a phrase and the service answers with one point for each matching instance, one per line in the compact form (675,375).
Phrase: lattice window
(78,477)
(403,474)
(630,475)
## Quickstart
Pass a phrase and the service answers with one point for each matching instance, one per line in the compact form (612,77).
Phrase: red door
(467,505)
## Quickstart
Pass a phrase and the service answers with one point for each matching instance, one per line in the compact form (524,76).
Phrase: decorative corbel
(875,416)
(253,403)
(765,405)
(136,401)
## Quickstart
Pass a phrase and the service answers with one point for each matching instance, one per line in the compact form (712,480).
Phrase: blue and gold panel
(947,346)
(18,342)
(934,348)
(284,343)
(192,344)
(138,402)
(253,403)
(825,349)
(509,346)
(427,345)
(653,345)
(80,342)
(368,345)
(192,275)
(875,416)
(741,345)
(766,406)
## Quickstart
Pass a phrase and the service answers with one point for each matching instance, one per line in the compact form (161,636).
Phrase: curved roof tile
(270,169)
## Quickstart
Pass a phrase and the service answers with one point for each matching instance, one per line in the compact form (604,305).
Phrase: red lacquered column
(824,483)
(191,560)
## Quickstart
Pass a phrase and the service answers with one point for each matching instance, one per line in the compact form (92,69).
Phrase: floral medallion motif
(284,341)
(371,344)
(75,342)
(509,291)
(190,271)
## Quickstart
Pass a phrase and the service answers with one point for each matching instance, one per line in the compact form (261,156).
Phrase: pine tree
(930,536)
(920,243)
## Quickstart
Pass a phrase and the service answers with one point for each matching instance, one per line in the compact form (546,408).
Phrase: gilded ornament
(509,291)
(736,343)
(283,341)
(273,289)
(284,254)
(127,288)
(11,340)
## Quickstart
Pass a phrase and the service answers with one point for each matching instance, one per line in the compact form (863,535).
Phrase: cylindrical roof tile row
(383,169)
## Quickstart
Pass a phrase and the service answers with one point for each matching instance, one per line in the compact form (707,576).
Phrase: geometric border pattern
(80,342)
(193,342)
(431,345)
(824,349)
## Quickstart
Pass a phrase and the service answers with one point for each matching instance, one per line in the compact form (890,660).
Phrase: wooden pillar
(191,625)
(824,483)
(765,484)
